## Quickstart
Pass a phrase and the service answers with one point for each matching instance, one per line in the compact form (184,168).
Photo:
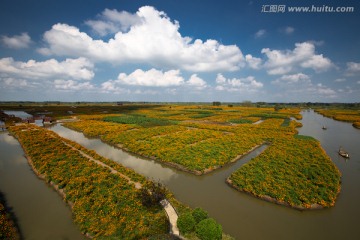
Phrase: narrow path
(172,215)
(113,171)
(169,209)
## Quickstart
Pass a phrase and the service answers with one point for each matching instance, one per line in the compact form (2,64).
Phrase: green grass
(140,120)
(240,121)
(269,115)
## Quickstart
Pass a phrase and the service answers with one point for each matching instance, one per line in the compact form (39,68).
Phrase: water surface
(40,211)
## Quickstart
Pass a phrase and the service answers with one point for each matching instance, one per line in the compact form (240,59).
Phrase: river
(40,211)
(244,216)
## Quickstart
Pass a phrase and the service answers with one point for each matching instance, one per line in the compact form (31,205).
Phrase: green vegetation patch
(269,115)
(295,172)
(303,137)
(240,121)
(202,114)
(140,120)
(346,115)
(286,122)
(8,229)
(197,223)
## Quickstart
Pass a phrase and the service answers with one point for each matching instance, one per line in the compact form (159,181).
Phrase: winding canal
(40,211)
(242,215)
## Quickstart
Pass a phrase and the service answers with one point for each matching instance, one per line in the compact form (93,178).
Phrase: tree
(216,103)
(152,194)
(186,223)
(199,214)
(246,103)
(277,107)
(208,229)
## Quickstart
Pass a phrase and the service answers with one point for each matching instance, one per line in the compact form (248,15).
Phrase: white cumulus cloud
(77,69)
(288,30)
(153,78)
(237,84)
(340,80)
(196,82)
(253,62)
(113,21)
(294,78)
(260,33)
(152,38)
(17,42)
(8,82)
(150,78)
(302,56)
(353,68)
(72,85)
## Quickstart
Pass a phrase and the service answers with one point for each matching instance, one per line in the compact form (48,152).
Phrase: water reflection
(19,114)
(9,139)
(40,211)
(148,168)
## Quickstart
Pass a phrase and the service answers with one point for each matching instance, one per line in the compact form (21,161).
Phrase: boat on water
(343,153)
(324,127)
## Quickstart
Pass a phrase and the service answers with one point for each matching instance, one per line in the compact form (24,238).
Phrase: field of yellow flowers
(8,229)
(348,115)
(103,204)
(293,171)
(195,138)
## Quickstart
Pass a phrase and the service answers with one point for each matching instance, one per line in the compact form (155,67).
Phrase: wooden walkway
(172,216)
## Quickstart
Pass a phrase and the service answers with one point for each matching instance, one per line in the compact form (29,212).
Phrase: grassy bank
(103,204)
(174,136)
(8,229)
(295,172)
(345,115)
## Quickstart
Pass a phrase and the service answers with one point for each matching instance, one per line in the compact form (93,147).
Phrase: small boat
(343,153)
(324,127)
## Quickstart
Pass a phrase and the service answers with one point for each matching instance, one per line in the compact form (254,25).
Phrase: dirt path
(169,209)
(113,171)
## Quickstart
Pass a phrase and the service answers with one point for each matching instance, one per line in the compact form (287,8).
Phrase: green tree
(216,103)
(209,229)
(186,223)
(199,214)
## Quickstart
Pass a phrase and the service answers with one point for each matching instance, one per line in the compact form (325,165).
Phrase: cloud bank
(302,56)
(151,38)
(17,42)
(77,69)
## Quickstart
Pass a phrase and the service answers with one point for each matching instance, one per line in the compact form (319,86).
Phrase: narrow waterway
(19,114)
(244,216)
(40,211)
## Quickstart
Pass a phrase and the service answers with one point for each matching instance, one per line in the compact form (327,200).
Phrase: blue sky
(167,50)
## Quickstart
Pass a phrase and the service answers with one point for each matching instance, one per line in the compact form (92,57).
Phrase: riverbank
(345,115)
(90,188)
(197,151)
(301,176)
(273,200)
(9,229)
(170,164)
(292,166)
